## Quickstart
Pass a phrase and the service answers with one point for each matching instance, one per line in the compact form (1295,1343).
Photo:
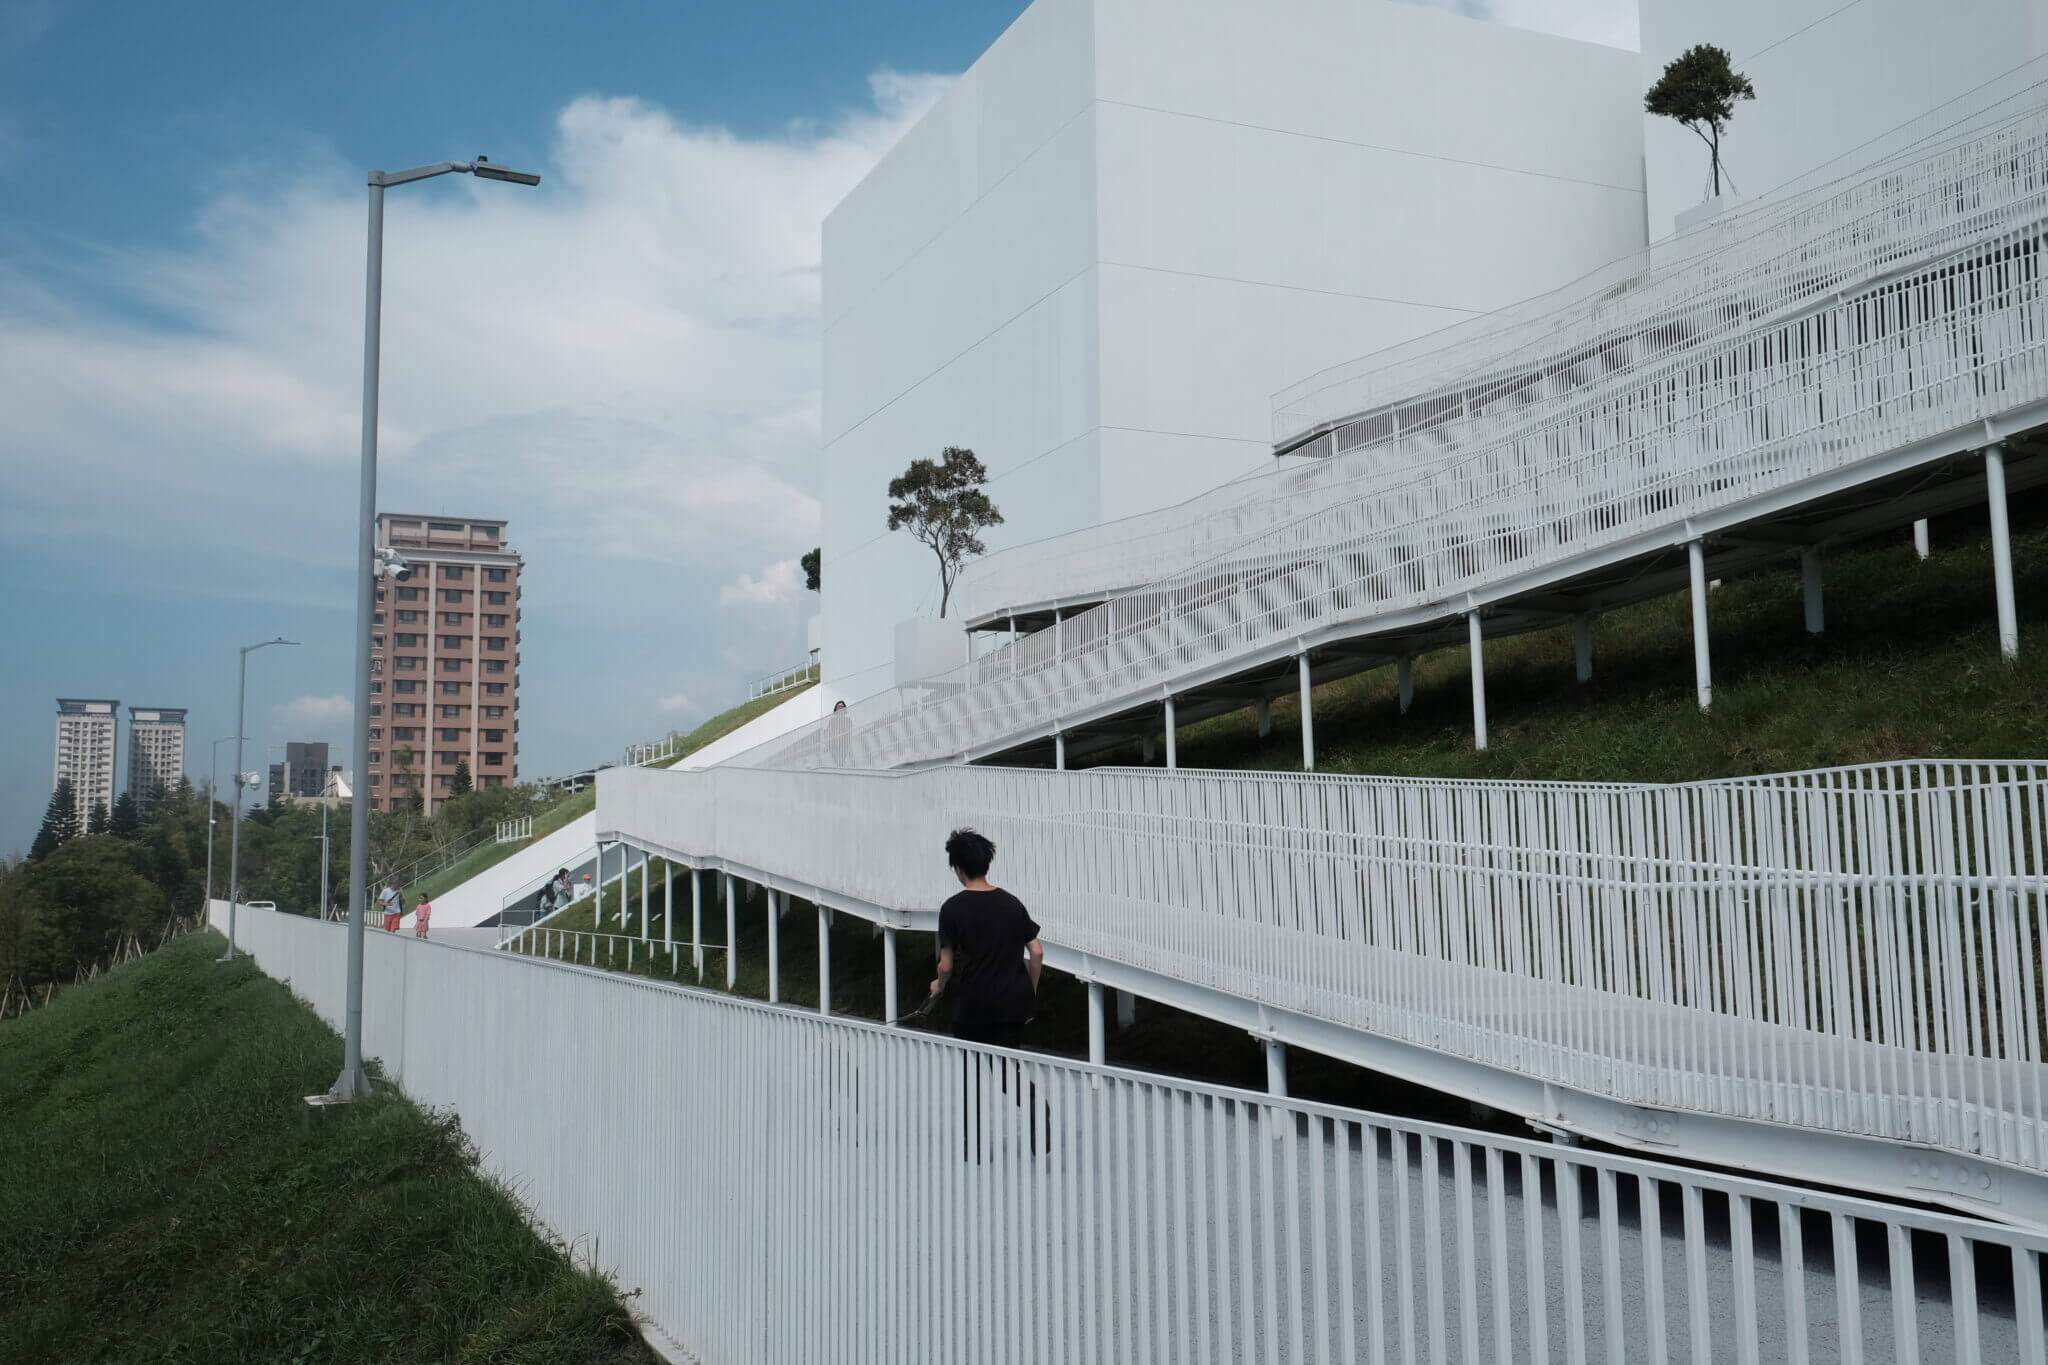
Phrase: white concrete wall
(1829,78)
(1133,221)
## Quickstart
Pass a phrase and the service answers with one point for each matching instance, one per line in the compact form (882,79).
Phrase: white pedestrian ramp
(479,900)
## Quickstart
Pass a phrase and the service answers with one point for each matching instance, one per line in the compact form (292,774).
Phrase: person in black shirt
(989,954)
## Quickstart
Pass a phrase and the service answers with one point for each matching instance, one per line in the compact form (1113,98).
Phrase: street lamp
(235,833)
(212,784)
(352,1082)
(322,837)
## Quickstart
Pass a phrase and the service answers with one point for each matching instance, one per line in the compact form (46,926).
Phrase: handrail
(444,856)
(516,830)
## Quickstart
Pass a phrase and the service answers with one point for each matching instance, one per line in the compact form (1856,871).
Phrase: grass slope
(165,1201)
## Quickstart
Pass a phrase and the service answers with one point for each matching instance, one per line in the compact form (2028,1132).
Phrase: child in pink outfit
(420,913)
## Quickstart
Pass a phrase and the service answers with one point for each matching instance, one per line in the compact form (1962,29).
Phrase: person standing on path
(393,903)
(419,916)
(989,953)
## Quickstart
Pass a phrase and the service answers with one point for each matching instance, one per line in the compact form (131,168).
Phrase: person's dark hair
(839,706)
(969,852)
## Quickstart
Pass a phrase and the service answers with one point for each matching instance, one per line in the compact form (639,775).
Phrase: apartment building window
(412,594)
(494,642)
(452,595)
(451,689)
(451,713)
(449,757)
(403,685)
(494,665)
(494,736)
(452,736)
(406,618)
(496,575)
(452,665)
(376,687)
(407,662)
(403,708)
(495,599)
(445,526)
(494,689)
(402,733)
(454,642)
(376,732)
(406,641)
(377,617)
(494,712)
(487,532)
(494,758)
(495,622)
(453,573)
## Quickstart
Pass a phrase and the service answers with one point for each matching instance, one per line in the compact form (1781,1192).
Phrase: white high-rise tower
(85,752)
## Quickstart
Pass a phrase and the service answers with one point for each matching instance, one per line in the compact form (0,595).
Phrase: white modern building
(87,729)
(1132,221)
(1837,84)
(156,749)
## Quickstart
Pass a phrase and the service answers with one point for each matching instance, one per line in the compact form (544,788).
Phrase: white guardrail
(826,1190)
(516,830)
(1856,951)
(1942,340)
(1790,298)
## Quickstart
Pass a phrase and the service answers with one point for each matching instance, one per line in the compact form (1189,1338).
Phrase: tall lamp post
(212,785)
(235,832)
(352,1082)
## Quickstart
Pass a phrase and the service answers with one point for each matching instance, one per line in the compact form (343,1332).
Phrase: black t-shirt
(987,931)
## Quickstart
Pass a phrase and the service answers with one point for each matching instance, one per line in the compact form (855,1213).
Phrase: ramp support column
(1582,646)
(1098,1048)
(668,907)
(732,934)
(824,960)
(1059,750)
(697,921)
(2001,551)
(774,946)
(1920,543)
(1262,710)
(1308,716)
(1404,681)
(1276,1068)
(1478,649)
(1702,662)
(1172,747)
(645,868)
(1809,586)
(888,975)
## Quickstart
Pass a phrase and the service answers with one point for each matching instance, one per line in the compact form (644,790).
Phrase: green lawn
(165,1200)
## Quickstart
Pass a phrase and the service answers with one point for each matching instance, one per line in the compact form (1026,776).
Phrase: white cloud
(312,718)
(777,585)
(674,702)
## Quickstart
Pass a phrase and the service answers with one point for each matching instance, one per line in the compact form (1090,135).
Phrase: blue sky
(622,362)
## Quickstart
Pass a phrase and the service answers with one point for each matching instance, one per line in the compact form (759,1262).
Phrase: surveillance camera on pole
(393,565)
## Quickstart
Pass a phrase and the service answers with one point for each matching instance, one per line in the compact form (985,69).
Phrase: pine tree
(60,821)
(126,821)
(460,784)
(96,822)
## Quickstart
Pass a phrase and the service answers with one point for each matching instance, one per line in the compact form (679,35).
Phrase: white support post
(1702,662)
(1308,716)
(1262,709)
(1582,646)
(2001,551)
(1404,682)
(643,894)
(774,946)
(888,975)
(1809,585)
(1126,1010)
(1478,648)
(1276,1068)
(1172,746)
(824,960)
(668,910)
(697,922)
(1098,1048)
(1059,750)
(732,934)
(1921,546)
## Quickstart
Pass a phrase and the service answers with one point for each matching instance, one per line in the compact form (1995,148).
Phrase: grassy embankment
(1908,668)
(581,803)
(164,1199)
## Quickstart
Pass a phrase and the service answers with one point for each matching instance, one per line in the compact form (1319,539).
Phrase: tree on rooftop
(1699,89)
(942,504)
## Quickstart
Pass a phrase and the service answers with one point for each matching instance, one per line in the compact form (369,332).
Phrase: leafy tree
(460,783)
(941,503)
(60,821)
(1699,89)
(94,896)
(126,822)
(813,564)
(96,822)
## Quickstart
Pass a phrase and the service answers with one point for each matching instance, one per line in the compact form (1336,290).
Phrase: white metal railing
(516,830)
(786,680)
(618,952)
(1855,951)
(1909,311)
(852,1192)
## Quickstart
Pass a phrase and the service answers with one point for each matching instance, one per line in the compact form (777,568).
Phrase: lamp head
(483,168)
